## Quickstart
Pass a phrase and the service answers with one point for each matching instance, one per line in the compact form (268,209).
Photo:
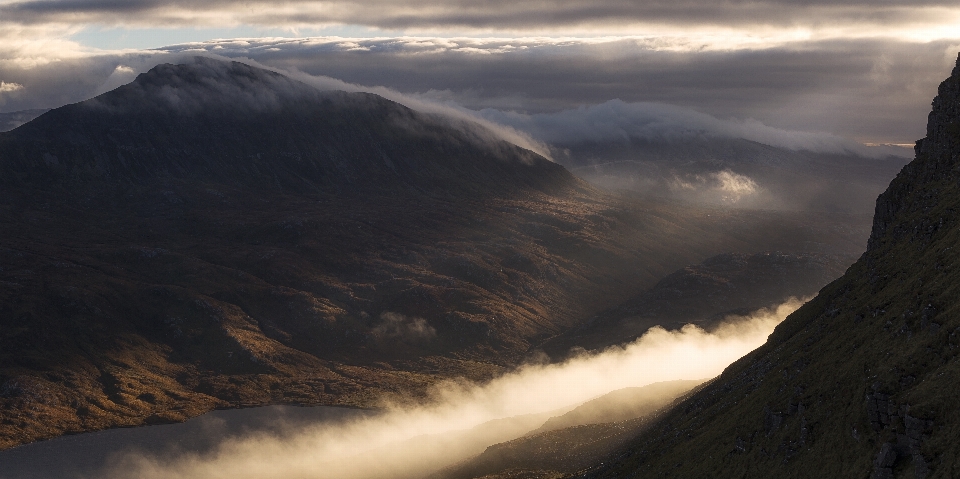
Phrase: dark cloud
(496,14)
(21,10)
(867,90)
(871,90)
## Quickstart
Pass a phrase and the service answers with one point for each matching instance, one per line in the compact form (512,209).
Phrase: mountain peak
(202,83)
(228,122)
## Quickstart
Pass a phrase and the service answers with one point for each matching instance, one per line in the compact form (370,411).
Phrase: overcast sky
(862,70)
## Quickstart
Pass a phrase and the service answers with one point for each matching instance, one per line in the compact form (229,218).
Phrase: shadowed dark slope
(860,382)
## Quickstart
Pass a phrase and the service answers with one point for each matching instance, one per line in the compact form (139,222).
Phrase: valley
(143,288)
(218,237)
(329,239)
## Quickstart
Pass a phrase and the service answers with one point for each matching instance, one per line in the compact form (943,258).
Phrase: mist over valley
(219,260)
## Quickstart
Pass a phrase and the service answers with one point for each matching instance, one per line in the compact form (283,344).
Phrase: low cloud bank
(618,121)
(610,121)
(460,420)
(462,117)
(542,78)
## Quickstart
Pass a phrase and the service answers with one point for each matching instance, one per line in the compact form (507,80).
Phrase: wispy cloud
(618,121)
(6,89)
(9,87)
(874,91)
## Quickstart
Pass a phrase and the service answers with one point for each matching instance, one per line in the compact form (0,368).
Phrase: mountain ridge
(209,120)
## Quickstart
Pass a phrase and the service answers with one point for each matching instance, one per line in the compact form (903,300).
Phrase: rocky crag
(862,380)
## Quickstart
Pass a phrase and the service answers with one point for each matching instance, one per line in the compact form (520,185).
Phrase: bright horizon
(857,70)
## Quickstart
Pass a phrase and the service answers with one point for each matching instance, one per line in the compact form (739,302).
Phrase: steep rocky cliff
(862,380)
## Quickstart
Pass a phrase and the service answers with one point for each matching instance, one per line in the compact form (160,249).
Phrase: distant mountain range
(217,235)
(675,152)
(705,294)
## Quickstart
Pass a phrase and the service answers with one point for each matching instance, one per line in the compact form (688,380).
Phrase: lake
(84,455)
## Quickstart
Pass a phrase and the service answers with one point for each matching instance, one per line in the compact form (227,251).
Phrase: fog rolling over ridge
(413,439)
(651,148)
(677,152)
(193,103)
(479,240)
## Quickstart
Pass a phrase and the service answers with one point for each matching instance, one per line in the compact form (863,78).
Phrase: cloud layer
(495,14)
(616,121)
(858,69)
(874,91)
(413,440)
(870,90)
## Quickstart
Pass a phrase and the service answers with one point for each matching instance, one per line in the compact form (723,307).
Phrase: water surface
(87,455)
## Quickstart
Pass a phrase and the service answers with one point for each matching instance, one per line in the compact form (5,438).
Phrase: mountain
(234,124)
(216,235)
(705,294)
(859,382)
